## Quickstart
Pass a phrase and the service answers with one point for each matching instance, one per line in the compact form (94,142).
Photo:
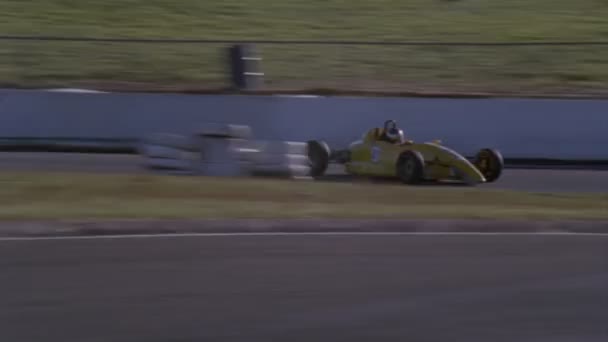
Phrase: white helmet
(392,131)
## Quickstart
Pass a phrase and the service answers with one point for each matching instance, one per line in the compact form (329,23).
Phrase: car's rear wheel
(490,163)
(318,154)
(410,167)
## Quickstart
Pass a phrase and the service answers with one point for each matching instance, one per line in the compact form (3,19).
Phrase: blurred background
(512,47)
(216,277)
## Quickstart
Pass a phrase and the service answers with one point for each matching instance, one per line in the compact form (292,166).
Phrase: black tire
(318,154)
(410,167)
(490,163)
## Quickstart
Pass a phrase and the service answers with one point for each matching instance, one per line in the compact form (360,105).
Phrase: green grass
(511,70)
(74,196)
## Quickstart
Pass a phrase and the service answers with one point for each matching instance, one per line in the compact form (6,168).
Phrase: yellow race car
(386,153)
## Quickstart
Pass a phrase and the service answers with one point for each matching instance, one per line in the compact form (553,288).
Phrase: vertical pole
(245,67)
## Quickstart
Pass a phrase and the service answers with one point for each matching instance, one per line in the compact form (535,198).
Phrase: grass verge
(542,69)
(78,196)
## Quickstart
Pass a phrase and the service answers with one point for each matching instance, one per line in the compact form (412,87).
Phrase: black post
(245,67)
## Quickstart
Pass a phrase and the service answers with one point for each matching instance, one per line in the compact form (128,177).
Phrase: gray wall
(569,129)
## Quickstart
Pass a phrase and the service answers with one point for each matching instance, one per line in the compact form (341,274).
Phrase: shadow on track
(343,178)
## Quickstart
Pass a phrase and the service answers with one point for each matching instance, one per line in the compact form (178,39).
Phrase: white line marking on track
(294,234)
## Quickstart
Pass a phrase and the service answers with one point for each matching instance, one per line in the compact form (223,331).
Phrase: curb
(66,228)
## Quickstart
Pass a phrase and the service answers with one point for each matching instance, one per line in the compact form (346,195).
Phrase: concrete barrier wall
(120,116)
(520,128)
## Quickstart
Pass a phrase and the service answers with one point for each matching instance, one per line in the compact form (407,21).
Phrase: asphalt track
(570,180)
(498,288)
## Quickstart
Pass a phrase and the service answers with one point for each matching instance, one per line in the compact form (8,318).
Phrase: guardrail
(547,131)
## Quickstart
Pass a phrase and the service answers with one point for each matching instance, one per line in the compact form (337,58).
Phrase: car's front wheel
(410,167)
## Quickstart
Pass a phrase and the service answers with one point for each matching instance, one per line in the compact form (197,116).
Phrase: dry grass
(63,195)
(514,69)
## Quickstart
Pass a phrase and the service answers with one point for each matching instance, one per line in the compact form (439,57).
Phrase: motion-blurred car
(406,160)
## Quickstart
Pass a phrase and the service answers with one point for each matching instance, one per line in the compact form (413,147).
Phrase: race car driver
(391,133)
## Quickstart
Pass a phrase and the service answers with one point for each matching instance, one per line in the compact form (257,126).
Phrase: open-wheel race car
(386,153)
